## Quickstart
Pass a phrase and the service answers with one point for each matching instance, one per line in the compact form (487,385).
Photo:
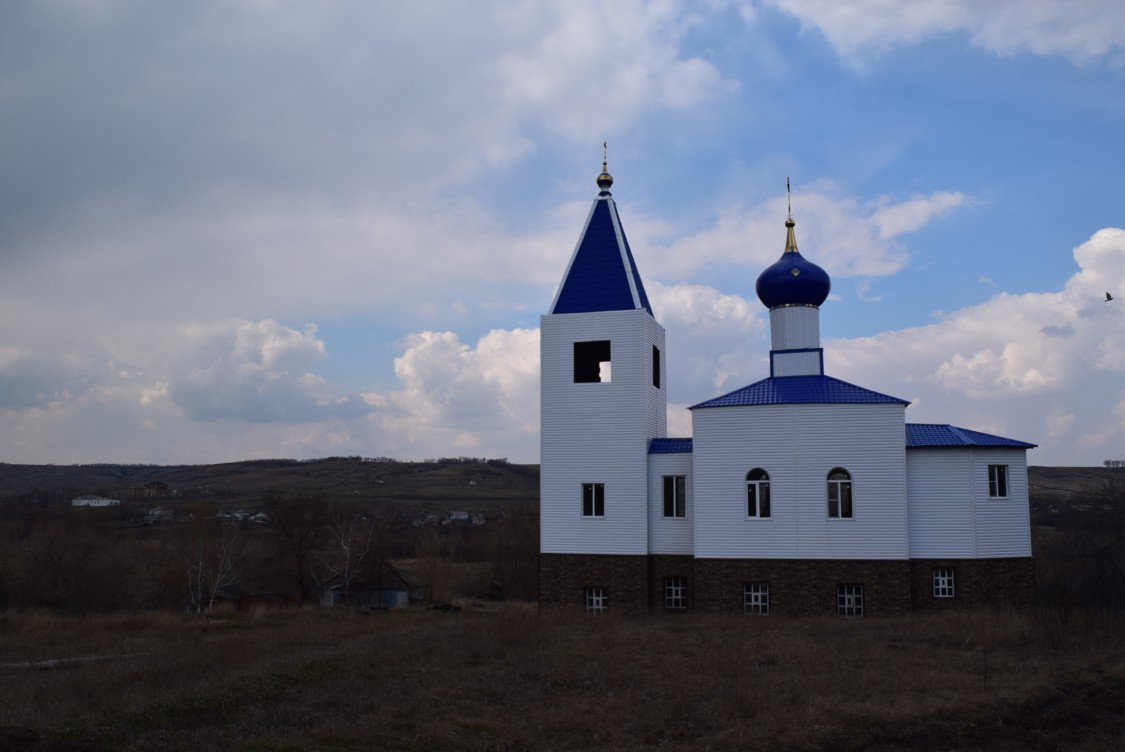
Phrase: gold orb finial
(605,180)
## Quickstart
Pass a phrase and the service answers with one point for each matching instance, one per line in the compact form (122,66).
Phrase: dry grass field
(509,679)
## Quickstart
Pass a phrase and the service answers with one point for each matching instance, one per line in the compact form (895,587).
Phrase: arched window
(839,493)
(757,493)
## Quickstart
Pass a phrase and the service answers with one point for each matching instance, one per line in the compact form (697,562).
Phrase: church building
(799,494)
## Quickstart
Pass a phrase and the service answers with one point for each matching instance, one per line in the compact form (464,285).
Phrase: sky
(274,228)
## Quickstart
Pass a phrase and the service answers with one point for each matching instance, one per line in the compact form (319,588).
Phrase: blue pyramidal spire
(602,275)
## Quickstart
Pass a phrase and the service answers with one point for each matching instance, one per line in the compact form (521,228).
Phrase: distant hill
(477,485)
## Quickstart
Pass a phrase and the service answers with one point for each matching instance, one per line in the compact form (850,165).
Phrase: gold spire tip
(605,180)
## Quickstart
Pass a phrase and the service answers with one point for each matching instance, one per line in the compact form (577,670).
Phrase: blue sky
(283,229)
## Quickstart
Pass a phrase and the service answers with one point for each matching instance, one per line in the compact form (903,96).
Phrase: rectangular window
(998,481)
(849,600)
(675,594)
(655,366)
(943,583)
(592,362)
(596,600)
(675,496)
(756,598)
(593,499)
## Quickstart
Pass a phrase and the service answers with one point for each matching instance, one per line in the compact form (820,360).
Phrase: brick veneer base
(563,579)
(976,582)
(797,587)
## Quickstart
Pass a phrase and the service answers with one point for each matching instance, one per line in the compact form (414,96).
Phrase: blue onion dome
(792,280)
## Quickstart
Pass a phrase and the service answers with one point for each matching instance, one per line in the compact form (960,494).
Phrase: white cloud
(1018,365)
(713,339)
(850,237)
(1081,31)
(629,48)
(913,214)
(455,395)
(256,372)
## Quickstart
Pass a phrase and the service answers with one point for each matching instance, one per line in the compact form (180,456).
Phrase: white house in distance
(799,494)
(92,500)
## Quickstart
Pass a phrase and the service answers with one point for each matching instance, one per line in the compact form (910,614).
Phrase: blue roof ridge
(961,434)
(804,389)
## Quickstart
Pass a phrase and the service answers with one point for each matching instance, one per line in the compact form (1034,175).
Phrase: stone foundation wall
(804,587)
(662,567)
(976,582)
(563,579)
(797,587)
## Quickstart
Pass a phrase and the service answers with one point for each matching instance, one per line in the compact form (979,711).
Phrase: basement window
(849,601)
(592,362)
(597,602)
(943,583)
(675,594)
(756,598)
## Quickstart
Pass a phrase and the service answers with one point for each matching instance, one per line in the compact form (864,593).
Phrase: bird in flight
(1108,297)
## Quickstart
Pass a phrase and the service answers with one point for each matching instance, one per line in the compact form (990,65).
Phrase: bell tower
(603,398)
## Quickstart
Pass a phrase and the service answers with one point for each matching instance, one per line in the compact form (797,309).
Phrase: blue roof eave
(670,446)
(941,435)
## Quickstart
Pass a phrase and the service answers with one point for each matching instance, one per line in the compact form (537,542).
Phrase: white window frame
(849,601)
(597,601)
(836,507)
(597,501)
(998,482)
(679,497)
(944,582)
(675,593)
(758,486)
(756,598)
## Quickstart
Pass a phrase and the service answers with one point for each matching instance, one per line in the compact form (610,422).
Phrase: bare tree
(212,564)
(301,521)
(351,535)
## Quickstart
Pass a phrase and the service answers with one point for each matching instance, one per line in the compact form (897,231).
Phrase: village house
(93,500)
(798,494)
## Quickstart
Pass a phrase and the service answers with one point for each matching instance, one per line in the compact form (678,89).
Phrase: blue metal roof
(602,275)
(670,446)
(796,390)
(942,435)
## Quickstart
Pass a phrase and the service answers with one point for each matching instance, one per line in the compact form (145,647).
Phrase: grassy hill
(474,485)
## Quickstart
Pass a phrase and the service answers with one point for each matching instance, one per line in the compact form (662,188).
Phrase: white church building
(799,494)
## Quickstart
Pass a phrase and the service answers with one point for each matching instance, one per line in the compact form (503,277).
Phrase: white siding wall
(794,327)
(668,535)
(1003,526)
(798,445)
(796,363)
(940,487)
(951,513)
(598,433)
